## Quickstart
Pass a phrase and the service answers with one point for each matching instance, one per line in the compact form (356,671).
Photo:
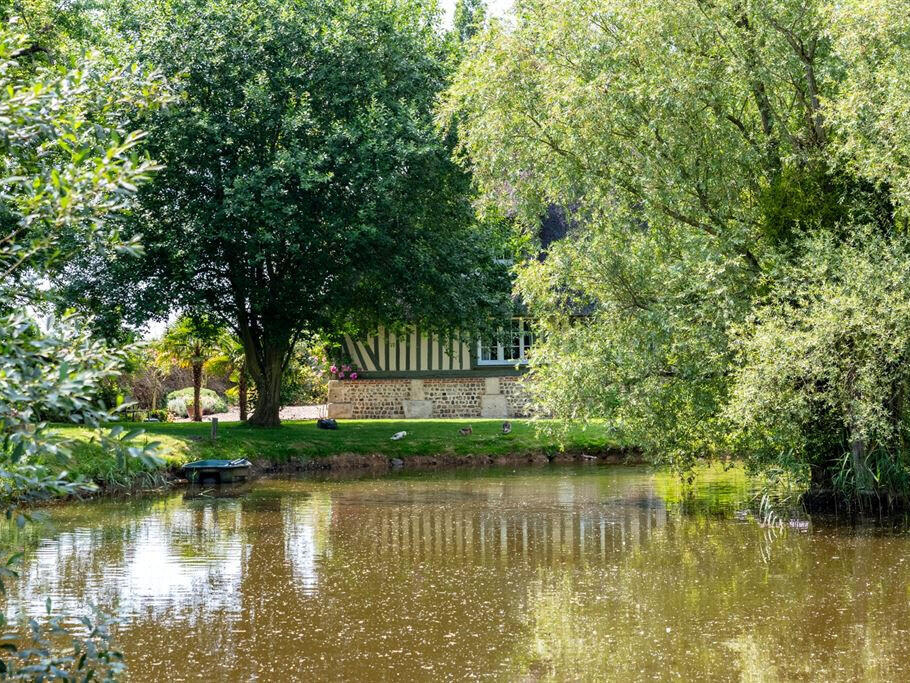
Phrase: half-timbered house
(415,374)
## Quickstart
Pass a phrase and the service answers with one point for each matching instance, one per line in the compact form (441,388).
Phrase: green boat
(222,471)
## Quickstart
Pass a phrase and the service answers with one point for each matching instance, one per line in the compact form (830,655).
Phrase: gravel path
(287,413)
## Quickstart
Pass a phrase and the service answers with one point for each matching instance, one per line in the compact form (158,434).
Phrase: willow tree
(305,185)
(713,160)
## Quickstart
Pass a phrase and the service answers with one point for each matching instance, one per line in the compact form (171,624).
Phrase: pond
(554,573)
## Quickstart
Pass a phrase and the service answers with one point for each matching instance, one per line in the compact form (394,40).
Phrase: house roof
(554,225)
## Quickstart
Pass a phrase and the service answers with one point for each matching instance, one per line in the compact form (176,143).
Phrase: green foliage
(54,31)
(72,163)
(191,342)
(305,381)
(230,361)
(177,402)
(804,198)
(823,368)
(303,384)
(469,17)
(39,657)
(68,161)
(144,377)
(188,343)
(872,111)
(705,151)
(306,188)
(92,461)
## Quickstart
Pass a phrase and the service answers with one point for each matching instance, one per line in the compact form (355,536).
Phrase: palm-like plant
(190,343)
(230,361)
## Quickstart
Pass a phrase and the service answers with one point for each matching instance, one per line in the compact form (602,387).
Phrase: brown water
(598,573)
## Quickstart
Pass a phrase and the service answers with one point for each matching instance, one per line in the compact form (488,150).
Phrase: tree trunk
(266,352)
(861,475)
(242,393)
(268,394)
(197,391)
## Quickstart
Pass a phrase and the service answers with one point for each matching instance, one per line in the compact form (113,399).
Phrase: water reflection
(560,573)
(173,557)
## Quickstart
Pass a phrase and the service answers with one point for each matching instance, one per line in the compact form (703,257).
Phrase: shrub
(232,396)
(177,401)
(304,382)
(823,379)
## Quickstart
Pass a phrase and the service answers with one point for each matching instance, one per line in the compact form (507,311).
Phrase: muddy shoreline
(379,462)
(382,462)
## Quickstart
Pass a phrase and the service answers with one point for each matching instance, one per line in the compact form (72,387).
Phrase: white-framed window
(509,348)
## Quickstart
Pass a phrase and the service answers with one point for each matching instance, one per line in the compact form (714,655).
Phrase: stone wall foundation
(442,397)
(417,409)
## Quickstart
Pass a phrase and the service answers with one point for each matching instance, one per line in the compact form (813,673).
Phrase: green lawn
(186,441)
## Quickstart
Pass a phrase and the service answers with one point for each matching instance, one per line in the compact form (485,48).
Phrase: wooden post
(214,428)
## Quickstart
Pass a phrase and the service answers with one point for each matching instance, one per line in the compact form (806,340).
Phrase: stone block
(418,409)
(417,391)
(340,410)
(491,385)
(493,405)
(336,391)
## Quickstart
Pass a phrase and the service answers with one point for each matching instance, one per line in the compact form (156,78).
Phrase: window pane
(510,345)
(512,341)
(527,337)
(488,351)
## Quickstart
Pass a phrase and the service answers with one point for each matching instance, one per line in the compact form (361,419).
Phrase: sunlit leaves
(823,366)
(68,161)
(873,42)
(67,157)
(701,148)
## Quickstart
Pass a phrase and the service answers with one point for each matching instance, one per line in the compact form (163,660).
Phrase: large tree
(468,18)
(721,159)
(306,187)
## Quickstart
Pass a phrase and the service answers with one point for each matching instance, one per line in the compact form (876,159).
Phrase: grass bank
(299,445)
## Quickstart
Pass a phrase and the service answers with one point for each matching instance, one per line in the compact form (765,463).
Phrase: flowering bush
(343,371)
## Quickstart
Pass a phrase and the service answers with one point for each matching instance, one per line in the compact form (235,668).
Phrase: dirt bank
(381,462)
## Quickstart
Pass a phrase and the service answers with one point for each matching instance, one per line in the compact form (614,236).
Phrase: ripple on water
(589,573)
